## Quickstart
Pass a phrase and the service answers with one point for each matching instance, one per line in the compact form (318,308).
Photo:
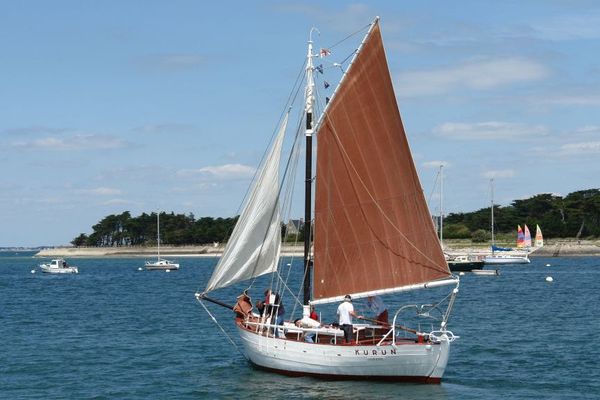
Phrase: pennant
(324,53)
(326,84)
(319,68)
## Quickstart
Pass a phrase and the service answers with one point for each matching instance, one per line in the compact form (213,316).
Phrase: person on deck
(376,305)
(345,313)
(313,314)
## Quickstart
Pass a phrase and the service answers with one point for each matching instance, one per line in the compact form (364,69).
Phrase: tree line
(175,229)
(575,215)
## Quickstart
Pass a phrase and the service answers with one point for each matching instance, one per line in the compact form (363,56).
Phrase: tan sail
(373,230)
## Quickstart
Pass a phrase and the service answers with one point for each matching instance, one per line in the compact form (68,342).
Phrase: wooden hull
(407,361)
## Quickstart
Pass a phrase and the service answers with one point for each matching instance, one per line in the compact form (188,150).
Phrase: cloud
(75,142)
(344,20)
(104,191)
(33,130)
(165,128)
(474,75)
(569,27)
(435,164)
(227,171)
(118,201)
(491,130)
(591,100)
(502,173)
(580,148)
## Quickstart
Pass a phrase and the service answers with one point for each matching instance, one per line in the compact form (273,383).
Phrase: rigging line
(349,162)
(434,186)
(222,329)
(350,35)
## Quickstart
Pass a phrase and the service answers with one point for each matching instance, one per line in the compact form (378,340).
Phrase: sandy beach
(552,248)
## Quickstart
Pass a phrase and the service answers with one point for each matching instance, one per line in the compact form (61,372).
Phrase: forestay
(254,246)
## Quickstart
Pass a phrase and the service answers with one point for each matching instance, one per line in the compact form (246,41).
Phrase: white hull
(496,260)
(407,361)
(52,270)
(161,265)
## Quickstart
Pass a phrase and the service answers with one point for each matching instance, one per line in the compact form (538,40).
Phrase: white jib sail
(253,248)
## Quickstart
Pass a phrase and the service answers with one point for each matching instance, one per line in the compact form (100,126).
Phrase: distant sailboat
(373,235)
(527,238)
(507,258)
(160,263)
(520,237)
(539,239)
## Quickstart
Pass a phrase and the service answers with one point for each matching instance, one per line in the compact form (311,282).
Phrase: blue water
(113,332)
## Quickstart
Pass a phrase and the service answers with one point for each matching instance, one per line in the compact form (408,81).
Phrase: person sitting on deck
(309,337)
(280,313)
(313,314)
(376,305)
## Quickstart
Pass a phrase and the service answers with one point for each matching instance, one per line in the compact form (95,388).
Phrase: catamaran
(373,235)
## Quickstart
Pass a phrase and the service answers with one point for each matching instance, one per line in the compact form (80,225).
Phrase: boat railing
(428,311)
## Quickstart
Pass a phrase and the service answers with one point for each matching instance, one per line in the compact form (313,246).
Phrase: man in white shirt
(345,313)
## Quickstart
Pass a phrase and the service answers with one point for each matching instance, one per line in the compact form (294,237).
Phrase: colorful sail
(539,239)
(527,239)
(373,231)
(520,237)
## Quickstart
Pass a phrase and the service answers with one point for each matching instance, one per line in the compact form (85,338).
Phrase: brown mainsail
(373,230)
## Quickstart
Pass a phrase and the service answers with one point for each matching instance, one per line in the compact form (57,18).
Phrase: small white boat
(160,263)
(497,259)
(58,266)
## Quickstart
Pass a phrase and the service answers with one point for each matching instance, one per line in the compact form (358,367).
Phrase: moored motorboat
(58,266)
(464,263)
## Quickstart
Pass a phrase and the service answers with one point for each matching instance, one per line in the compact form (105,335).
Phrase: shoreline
(553,248)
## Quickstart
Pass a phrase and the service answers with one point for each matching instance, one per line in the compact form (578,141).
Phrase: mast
(158,233)
(492,210)
(442,205)
(309,109)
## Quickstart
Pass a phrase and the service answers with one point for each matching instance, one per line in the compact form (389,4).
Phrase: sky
(140,106)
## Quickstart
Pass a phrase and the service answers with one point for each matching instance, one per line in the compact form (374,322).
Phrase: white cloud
(491,130)
(589,100)
(75,142)
(165,128)
(104,191)
(475,75)
(580,148)
(227,171)
(118,201)
(569,27)
(502,173)
(435,164)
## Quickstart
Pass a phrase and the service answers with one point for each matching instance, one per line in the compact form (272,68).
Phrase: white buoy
(33,271)
(549,279)
(167,270)
(461,273)
(547,265)
(140,268)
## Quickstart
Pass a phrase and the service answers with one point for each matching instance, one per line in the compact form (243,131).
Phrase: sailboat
(502,258)
(520,237)
(373,235)
(160,263)
(526,237)
(456,262)
(539,239)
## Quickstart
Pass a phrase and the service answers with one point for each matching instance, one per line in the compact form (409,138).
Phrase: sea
(115,332)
